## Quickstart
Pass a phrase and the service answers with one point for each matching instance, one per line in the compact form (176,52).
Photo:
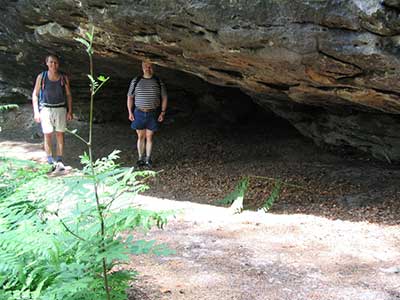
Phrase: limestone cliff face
(330,67)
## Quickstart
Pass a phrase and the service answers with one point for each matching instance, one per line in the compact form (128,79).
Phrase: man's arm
(69,99)
(35,99)
(129,104)
(131,99)
(164,102)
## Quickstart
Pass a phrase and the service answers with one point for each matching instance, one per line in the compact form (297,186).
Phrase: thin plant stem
(283,183)
(101,84)
(70,231)
(77,136)
(95,183)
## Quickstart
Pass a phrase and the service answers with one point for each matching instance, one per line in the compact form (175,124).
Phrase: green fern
(39,257)
(5,107)
(238,193)
(273,196)
(236,198)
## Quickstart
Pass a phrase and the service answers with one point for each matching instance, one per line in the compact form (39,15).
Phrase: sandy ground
(267,256)
(333,233)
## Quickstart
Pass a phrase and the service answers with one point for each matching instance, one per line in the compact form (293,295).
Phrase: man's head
(52,62)
(147,67)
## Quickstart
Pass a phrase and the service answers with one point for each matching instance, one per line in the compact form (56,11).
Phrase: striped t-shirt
(147,92)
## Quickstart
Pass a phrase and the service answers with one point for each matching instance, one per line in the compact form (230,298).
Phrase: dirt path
(267,256)
(332,234)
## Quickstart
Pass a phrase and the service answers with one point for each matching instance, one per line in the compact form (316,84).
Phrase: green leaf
(141,247)
(238,193)
(103,78)
(89,36)
(92,80)
(83,41)
(8,107)
(273,196)
(36,293)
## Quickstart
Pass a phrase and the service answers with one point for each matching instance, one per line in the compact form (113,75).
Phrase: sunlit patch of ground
(253,255)
(22,150)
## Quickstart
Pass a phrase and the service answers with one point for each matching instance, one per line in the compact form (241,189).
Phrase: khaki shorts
(53,119)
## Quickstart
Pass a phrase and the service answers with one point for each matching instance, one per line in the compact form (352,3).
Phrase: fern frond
(273,196)
(238,193)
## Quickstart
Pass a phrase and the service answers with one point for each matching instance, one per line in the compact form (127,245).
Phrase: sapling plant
(112,181)
(67,238)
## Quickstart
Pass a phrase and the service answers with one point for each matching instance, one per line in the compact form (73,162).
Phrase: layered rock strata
(331,68)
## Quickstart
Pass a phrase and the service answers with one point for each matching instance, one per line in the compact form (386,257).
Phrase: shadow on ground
(202,160)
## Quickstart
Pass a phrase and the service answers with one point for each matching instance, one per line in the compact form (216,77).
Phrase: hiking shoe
(140,163)
(59,166)
(148,164)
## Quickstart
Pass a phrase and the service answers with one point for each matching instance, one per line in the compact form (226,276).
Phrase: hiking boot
(59,166)
(148,164)
(140,163)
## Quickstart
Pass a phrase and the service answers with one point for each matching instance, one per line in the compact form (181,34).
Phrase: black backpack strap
(159,85)
(43,80)
(158,81)
(41,90)
(62,79)
(137,79)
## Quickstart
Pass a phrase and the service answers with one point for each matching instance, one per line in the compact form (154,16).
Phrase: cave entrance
(213,138)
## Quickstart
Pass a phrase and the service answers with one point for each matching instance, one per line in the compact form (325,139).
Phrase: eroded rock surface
(329,67)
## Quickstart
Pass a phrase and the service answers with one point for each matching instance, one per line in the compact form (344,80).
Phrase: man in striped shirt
(144,95)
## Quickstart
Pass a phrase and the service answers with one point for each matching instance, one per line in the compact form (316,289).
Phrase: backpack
(42,85)
(140,78)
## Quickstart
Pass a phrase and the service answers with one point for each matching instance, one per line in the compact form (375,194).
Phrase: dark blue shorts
(145,120)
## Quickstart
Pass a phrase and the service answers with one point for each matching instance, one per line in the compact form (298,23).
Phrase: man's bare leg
(48,146)
(149,143)
(60,151)
(149,147)
(141,143)
(60,144)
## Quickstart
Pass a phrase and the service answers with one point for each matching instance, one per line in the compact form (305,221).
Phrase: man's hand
(69,116)
(37,118)
(131,117)
(161,117)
